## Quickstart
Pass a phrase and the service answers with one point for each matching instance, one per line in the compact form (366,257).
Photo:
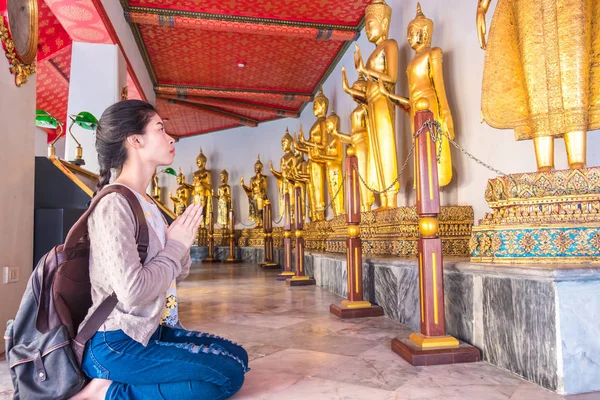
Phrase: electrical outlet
(11,274)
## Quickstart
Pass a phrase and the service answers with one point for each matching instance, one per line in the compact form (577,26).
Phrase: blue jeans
(176,364)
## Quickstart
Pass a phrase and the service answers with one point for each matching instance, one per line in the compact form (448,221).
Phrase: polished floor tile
(298,350)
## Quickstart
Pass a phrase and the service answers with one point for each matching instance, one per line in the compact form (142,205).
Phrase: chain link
(252,225)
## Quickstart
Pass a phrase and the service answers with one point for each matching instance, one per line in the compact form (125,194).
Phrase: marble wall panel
(458,299)
(252,255)
(333,276)
(308,265)
(519,317)
(408,297)
(368,282)
(198,253)
(579,326)
(386,289)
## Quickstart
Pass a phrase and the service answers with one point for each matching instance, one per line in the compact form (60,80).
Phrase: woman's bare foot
(96,389)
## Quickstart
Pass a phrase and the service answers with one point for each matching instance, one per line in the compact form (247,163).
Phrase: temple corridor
(299,351)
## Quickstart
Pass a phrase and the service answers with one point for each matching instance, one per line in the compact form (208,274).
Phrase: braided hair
(117,123)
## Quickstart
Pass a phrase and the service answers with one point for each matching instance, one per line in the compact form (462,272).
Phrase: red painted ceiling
(192,50)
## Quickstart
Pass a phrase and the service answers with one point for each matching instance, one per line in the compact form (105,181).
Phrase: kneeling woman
(133,356)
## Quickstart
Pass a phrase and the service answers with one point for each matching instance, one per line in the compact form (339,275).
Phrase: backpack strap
(142,239)
(80,229)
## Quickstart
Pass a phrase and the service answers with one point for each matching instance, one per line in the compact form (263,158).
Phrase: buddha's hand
(482,8)
(345,85)
(358,61)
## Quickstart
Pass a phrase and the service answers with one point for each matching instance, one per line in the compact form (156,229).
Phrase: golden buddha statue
(257,193)
(287,165)
(382,65)
(317,136)
(330,153)
(541,74)
(426,81)
(156,190)
(201,182)
(181,200)
(224,202)
(359,137)
(301,174)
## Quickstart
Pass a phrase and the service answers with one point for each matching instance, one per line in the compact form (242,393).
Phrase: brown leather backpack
(43,347)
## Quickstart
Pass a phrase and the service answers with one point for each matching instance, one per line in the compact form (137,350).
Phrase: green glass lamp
(155,187)
(44,119)
(86,121)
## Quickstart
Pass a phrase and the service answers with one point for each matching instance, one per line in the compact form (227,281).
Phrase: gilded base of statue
(300,281)
(393,232)
(346,310)
(420,356)
(541,217)
(253,237)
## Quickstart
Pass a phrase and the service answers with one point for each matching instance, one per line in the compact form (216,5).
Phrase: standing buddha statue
(182,198)
(359,138)
(316,186)
(224,203)
(287,165)
(382,65)
(426,81)
(201,183)
(330,153)
(541,73)
(257,193)
(301,174)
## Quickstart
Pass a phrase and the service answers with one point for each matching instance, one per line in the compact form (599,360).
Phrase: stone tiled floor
(299,351)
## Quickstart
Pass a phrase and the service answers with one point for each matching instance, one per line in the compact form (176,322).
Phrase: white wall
(114,10)
(17,113)
(455,32)
(98,74)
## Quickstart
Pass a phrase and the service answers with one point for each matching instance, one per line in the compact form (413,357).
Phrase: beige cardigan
(115,266)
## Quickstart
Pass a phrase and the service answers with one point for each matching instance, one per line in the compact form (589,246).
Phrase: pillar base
(355,309)
(269,265)
(208,260)
(232,261)
(285,275)
(418,356)
(300,281)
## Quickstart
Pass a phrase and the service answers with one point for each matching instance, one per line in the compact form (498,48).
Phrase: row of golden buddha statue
(201,192)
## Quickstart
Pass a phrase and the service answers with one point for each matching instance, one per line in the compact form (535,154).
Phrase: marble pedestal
(252,255)
(538,322)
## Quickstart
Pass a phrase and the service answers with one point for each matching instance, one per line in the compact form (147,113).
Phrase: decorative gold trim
(436,342)
(21,71)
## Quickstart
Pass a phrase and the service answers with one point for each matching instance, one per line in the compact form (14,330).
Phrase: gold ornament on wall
(19,36)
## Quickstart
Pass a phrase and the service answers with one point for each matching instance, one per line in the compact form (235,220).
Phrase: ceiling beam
(242,119)
(242,105)
(243,25)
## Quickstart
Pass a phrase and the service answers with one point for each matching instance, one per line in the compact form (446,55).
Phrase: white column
(98,76)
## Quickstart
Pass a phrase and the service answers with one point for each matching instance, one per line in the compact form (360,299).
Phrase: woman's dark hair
(117,123)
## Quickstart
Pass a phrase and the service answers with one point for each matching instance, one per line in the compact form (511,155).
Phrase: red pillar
(268,262)
(287,241)
(355,306)
(300,279)
(431,346)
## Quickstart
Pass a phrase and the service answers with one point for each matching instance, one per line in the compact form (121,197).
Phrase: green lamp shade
(85,120)
(170,171)
(45,120)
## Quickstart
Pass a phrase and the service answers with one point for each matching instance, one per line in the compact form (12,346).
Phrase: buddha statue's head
(180,177)
(332,122)
(224,177)
(258,166)
(419,31)
(377,20)
(286,141)
(320,104)
(201,160)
